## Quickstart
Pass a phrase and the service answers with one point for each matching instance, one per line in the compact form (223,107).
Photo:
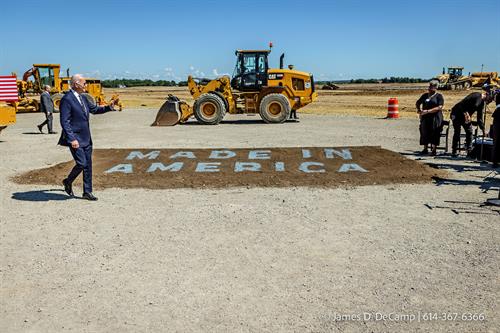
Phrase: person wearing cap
(429,108)
(461,116)
(496,131)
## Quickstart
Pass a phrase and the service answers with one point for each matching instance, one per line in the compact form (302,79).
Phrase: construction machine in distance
(453,79)
(7,115)
(48,74)
(254,89)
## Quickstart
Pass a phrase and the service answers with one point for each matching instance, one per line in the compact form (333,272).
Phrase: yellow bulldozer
(48,74)
(454,79)
(254,89)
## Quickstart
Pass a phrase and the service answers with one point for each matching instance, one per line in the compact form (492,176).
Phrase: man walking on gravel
(75,112)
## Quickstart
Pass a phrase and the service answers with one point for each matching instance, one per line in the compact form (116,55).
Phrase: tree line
(392,79)
(141,83)
(171,83)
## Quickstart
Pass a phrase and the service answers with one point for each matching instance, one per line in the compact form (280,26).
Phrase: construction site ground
(250,258)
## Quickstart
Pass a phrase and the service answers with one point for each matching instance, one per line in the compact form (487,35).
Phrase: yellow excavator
(255,88)
(48,74)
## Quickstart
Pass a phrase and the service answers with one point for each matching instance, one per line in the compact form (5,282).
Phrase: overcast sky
(171,39)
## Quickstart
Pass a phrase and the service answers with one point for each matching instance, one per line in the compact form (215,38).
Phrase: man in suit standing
(47,107)
(74,117)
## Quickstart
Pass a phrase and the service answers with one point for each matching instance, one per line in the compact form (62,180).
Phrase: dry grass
(350,99)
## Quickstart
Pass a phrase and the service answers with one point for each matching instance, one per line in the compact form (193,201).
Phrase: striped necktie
(83,104)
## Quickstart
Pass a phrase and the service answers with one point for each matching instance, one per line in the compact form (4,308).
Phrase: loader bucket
(169,113)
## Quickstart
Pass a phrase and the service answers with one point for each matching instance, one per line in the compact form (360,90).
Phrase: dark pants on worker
(83,160)
(496,140)
(48,121)
(457,128)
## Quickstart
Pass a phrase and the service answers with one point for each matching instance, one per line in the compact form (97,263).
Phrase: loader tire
(209,109)
(274,108)
(56,98)
(90,100)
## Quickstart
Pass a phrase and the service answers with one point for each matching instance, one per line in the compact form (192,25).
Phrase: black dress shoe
(52,132)
(40,128)
(68,188)
(89,196)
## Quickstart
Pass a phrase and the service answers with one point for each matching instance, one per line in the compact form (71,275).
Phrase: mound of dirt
(218,168)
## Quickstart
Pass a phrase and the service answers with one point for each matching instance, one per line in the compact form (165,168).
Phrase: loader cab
(250,72)
(47,74)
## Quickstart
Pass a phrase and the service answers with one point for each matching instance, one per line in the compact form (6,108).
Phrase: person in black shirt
(461,116)
(429,107)
(496,131)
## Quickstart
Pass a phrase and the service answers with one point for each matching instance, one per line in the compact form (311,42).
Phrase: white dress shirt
(79,98)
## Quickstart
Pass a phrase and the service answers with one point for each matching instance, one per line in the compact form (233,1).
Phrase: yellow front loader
(255,88)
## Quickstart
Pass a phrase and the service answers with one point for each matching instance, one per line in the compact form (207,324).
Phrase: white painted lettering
(185,154)
(306,167)
(279,166)
(351,167)
(208,167)
(345,153)
(137,154)
(174,167)
(222,154)
(306,153)
(246,166)
(123,168)
(259,155)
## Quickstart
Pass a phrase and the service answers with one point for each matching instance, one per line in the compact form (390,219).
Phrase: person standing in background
(47,107)
(429,108)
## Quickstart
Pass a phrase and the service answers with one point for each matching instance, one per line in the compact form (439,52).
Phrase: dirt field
(350,99)
(249,259)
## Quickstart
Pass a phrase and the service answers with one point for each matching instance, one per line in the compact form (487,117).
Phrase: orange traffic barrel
(393,108)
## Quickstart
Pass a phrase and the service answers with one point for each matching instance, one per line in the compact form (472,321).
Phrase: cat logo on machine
(275,76)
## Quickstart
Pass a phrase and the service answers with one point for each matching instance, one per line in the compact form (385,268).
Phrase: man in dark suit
(75,111)
(47,107)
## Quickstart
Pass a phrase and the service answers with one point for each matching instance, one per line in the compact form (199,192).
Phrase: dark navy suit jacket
(75,120)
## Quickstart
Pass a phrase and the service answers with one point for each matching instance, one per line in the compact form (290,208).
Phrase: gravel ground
(250,260)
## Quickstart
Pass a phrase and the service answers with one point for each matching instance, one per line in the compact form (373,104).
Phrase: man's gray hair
(45,87)
(74,79)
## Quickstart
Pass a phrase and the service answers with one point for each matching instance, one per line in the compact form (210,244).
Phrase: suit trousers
(457,127)
(496,139)
(48,121)
(83,160)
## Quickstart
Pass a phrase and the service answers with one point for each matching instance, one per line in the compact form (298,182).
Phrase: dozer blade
(169,113)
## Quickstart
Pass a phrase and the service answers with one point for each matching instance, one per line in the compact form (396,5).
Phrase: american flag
(8,89)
